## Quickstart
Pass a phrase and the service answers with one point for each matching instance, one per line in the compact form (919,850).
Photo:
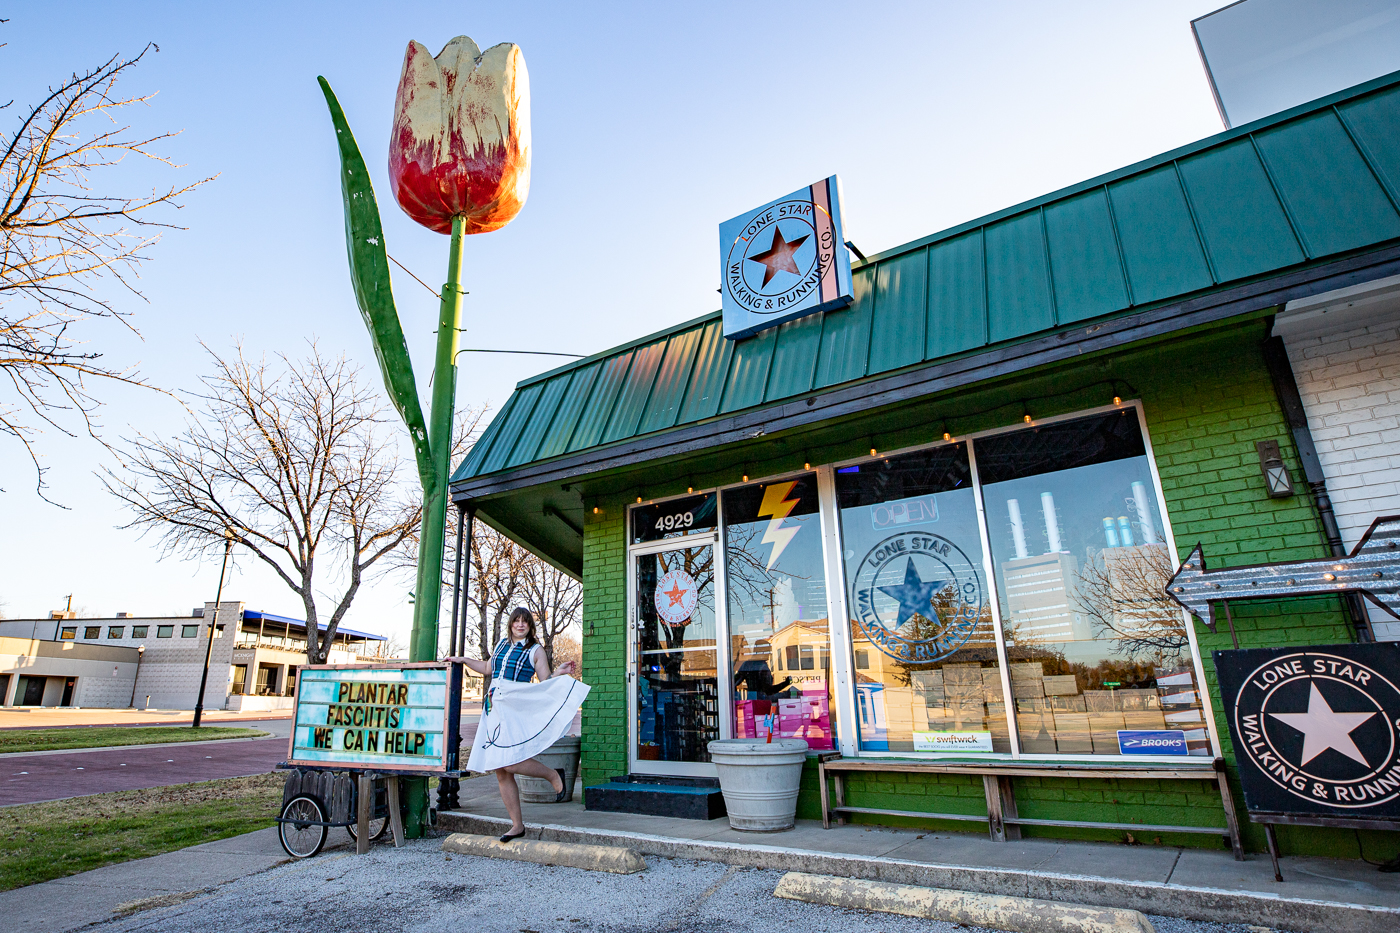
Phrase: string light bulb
(746,478)
(1026,417)
(690,489)
(872,452)
(639,498)
(806,464)
(596,510)
(1117,400)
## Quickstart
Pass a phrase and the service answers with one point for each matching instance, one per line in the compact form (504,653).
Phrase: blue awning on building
(253,615)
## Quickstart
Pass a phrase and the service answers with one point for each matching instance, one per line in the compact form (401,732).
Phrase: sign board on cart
(1316,730)
(391,718)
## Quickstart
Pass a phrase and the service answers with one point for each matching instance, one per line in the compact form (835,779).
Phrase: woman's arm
(542,670)
(473,664)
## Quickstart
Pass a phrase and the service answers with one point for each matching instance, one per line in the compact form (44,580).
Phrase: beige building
(157,662)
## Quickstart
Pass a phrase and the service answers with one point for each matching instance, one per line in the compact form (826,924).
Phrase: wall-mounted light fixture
(1276,477)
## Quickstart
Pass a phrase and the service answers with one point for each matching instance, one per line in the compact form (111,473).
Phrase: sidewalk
(92,896)
(1325,895)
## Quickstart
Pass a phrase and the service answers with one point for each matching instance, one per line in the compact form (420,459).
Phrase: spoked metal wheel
(302,839)
(377,827)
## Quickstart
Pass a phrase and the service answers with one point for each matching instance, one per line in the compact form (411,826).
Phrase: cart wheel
(377,829)
(302,840)
(378,826)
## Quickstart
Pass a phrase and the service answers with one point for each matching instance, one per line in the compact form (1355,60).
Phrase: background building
(158,661)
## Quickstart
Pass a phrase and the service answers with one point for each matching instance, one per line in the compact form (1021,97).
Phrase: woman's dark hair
(522,613)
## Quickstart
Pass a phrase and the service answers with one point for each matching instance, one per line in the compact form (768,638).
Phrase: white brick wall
(1350,383)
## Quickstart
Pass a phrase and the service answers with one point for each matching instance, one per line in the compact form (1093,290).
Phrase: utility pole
(209,643)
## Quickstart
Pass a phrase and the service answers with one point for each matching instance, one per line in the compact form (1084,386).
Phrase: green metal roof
(1316,181)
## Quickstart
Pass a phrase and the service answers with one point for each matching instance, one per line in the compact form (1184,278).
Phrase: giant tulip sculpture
(459,163)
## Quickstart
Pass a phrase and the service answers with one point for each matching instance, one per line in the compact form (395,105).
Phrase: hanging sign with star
(784,259)
(676,596)
(1316,730)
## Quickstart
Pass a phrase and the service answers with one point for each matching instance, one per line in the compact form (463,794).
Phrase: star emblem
(676,593)
(915,596)
(1323,729)
(778,257)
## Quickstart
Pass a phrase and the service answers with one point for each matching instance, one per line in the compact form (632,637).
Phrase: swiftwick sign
(1316,730)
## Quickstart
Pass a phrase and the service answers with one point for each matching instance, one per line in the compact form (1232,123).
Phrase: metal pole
(140,653)
(456,582)
(470,512)
(209,646)
(424,641)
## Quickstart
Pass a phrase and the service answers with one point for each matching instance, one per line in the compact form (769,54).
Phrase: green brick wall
(604,747)
(1207,399)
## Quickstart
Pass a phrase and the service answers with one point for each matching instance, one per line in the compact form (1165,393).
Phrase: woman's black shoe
(509,836)
(563,779)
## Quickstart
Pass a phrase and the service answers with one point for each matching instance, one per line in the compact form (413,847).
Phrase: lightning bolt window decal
(777,506)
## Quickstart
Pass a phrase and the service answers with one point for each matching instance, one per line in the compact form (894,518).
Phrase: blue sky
(652,123)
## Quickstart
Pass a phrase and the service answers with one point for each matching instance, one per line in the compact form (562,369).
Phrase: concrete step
(683,801)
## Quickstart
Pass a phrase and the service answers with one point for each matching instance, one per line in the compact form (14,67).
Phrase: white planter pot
(759,780)
(562,754)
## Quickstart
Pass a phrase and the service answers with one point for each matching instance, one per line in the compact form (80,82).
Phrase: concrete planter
(759,780)
(562,754)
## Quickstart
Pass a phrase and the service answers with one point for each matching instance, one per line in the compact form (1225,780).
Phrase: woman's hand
(565,668)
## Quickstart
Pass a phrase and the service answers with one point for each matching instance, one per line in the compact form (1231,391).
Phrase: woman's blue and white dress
(520,719)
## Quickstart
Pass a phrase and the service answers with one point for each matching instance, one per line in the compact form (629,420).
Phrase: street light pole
(209,646)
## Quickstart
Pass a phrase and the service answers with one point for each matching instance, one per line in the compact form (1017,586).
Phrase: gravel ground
(419,888)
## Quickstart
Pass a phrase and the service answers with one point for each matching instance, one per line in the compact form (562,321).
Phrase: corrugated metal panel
(748,373)
(1375,123)
(514,422)
(1332,196)
(846,334)
(1321,179)
(708,377)
(632,400)
(471,464)
(598,412)
(1084,261)
(794,357)
(957,306)
(671,381)
(561,431)
(1018,295)
(1240,217)
(1157,236)
(526,449)
(897,321)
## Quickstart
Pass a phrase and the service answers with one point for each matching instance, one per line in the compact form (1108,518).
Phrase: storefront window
(926,672)
(1097,652)
(780,644)
(677,676)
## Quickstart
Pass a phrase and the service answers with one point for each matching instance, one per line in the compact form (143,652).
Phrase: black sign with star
(1316,730)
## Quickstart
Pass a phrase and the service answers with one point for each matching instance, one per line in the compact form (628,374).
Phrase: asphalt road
(418,888)
(53,776)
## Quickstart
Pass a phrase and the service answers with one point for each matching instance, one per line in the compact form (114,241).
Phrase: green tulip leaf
(369,273)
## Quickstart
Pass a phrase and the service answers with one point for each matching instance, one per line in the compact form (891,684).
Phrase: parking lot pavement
(53,776)
(419,888)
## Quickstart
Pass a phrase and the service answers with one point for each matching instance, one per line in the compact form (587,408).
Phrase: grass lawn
(42,841)
(47,740)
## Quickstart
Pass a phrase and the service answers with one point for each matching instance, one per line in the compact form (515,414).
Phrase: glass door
(674,674)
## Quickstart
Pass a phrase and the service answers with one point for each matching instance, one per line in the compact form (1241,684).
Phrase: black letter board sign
(1316,730)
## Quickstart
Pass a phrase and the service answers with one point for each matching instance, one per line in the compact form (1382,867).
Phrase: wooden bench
(997,776)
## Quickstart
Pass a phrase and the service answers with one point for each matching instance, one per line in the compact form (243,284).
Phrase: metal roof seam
(1195,223)
(1368,159)
(524,423)
(651,389)
(1298,235)
(1118,246)
(1049,272)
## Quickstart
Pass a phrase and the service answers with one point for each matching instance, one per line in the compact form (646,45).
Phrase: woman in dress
(520,719)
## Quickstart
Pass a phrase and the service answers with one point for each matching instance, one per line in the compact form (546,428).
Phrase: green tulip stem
(423,644)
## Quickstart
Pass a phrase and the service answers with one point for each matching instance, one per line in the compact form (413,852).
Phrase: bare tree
(555,598)
(500,569)
(1123,590)
(60,235)
(291,465)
